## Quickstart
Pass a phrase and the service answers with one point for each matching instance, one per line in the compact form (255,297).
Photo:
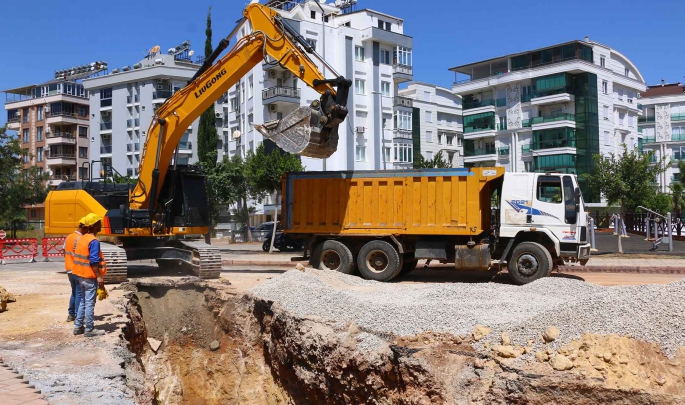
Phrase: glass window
(381,24)
(429,136)
(25,135)
(627,72)
(549,189)
(312,42)
(360,153)
(607,138)
(359,86)
(429,116)
(450,140)
(26,155)
(429,155)
(385,56)
(313,14)
(25,116)
(249,88)
(605,87)
(39,113)
(386,153)
(39,134)
(39,154)
(427,96)
(385,89)
(403,120)
(570,214)
(83,132)
(83,152)
(402,56)
(359,53)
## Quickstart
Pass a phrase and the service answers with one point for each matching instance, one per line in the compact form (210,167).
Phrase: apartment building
(437,121)
(663,127)
(550,109)
(123,104)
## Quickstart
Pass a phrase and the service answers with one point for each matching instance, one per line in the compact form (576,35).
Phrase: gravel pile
(652,313)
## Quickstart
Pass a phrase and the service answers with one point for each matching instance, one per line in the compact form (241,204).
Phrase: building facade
(663,128)
(436,120)
(550,109)
(123,104)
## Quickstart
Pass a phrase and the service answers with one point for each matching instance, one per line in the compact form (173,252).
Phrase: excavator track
(206,259)
(117,264)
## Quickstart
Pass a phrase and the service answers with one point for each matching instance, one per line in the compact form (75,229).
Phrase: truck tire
(333,255)
(378,260)
(529,262)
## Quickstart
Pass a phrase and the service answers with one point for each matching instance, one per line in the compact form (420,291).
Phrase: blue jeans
(75,299)
(88,287)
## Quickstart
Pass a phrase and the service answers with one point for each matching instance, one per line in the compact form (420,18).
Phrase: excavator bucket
(303,132)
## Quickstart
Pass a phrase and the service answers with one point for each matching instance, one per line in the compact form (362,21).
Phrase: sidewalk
(14,389)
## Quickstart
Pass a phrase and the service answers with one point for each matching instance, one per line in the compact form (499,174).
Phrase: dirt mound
(5,297)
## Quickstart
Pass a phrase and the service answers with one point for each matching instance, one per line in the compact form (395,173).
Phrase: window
(403,120)
(439,138)
(39,113)
(402,56)
(429,155)
(621,119)
(25,116)
(429,136)
(427,96)
(388,26)
(450,140)
(381,24)
(82,112)
(347,24)
(39,134)
(83,132)
(403,152)
(605,87)
(250,117)
(312,14)
(570,214)
(385,89)
(39,154)
(82,173)
(83,152)
(359,86)
(385,56)
(25,135)
(450,157)
(360,154)
(312,42)
(234,104)
(549,189)
(386,153)
(249,88)
(429,116)
(627,71)
(26,155)
(602,61)
(607,138)
(359,53)
(606,112)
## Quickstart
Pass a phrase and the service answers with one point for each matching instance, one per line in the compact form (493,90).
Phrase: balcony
(645,119)
(60,158)
(402,165)
(526,149)
(281,94)
(504,151)
(561,95)
(62,177)
(469,105)
(160,96)
(525,98)
(401,133)
(131,147)
(132,99)
(53,138)
(502,126)
(106,103)
(105,149)
(398,101)
(14,122)
(627,104)
(480,155)
(553,121)
(677,117)
(132,123)
(105,126)
(402,73)
(527,123)
(185,146)
(649,139)
(63,117)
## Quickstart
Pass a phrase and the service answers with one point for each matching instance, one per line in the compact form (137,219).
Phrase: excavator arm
(308,131)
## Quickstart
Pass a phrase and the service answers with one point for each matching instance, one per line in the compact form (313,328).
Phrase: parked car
(267,227)
(283,242)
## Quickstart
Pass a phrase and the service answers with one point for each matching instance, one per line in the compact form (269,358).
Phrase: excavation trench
(266,355)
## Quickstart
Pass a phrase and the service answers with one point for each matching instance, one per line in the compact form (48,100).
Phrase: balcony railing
(555,143)
(503,151)
(639,129)
(645,119)
(161,94)
(16,118)
(553,92)
(480,127)
(276,91)
(677,117)
(526,149)
(502,126)
(61,114)
(480,152)
(398,101)
(188,145)
(501,102)
(649,139)
(553,118)
(133,122)
(527,123)
(402,69)
(478,103)
(639,106)
(62,177)
(105,148)
(59,135)
(132,99)
(60,155)
(104,126)
(107,102)
(526,97)
(402,133)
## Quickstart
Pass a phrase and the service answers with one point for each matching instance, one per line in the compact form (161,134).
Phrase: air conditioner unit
(272,74)
(360,130)
(273,107)
(47,109)
(47,130)
(218,115)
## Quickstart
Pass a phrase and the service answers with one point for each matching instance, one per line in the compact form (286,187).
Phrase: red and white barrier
(11,249)
(53,247)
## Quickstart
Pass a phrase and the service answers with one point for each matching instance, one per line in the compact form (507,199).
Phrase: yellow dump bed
(412,202)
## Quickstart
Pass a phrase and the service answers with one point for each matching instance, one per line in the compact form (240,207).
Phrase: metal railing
(59,135)
(487,127)
(16,118)
(105,148)
(502,126)
(480,152)
(645,119)
(104,126)
(402,69)
(62,177)
(649,139)
(399,101)
(553,118)
(283,91)
(161,94)
(60,155)
(677,117)
(555,143)
(402,133)
(61,114)
(527,123)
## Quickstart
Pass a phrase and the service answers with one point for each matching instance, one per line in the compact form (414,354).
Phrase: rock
(300,267)
(214,346)
(607,357)
(479,332)
(623,360)
(154,344)
(541,357)
(505,339)
(479,363)
(560,362)
(507,352)
(633,372)
(661,380)
(550,334)
(550,352)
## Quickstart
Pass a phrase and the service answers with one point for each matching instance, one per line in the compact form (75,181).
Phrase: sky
(50,35)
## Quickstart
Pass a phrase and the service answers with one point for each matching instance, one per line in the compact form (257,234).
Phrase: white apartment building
(550,109)
(663,128)
(123,103)
(437,121)
(365,46)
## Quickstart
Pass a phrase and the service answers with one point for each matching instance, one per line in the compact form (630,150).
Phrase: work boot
(71,318)
(94,333)
(79,331)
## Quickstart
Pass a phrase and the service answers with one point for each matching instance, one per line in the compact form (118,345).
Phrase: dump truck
(381,223)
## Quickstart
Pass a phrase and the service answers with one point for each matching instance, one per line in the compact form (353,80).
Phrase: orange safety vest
(69,248)
(81,266)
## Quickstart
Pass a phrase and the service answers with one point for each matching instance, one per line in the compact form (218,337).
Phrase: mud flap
(302,133)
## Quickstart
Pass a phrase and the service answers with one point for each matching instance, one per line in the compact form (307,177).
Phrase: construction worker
(69,247)
(90,269)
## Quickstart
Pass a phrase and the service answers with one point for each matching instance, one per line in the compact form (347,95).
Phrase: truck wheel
(333,255)
(529,262)
(378,260)
(266,245)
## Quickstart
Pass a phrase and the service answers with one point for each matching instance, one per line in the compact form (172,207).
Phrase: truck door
(549,208)
(516,199)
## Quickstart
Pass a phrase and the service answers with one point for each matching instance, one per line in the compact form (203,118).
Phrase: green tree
(231,187)
(207,136)
(626,179)
(437,162)
(263,174)
(18,186)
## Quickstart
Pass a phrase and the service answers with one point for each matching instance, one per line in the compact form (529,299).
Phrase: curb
(289,265)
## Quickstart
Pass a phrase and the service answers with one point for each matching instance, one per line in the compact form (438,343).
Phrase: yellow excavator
(165,215)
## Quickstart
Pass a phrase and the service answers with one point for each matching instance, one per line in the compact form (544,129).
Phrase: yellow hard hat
(91,219)
(82,221)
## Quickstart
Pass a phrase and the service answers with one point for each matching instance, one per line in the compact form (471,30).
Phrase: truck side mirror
(576,197)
